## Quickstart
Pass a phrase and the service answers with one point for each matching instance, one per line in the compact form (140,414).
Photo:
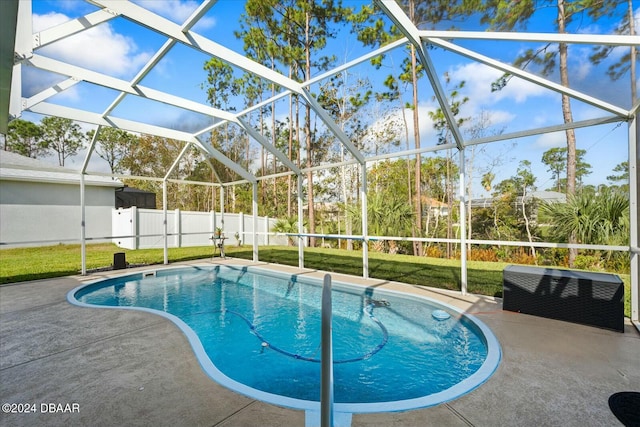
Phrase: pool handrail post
(254,221)
(365,221)
(83,200)
(634,228)
(165,230)
(300,225)
(326,381)
(83,228)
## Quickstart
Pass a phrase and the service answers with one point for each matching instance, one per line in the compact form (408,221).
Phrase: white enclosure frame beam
(463,222)
(8,25)
(166,47)
(365,221)
(325,75)
(189,38)
(137,127)
(27,103)
(634,207)
(198,14)
(176,162)
(69,28)
(165,223)
(92,146)
(266,144)
(22,49)
(590,39)
(222,202)
(441,96)
(333,126)
(79,73)
(83,209)
(216,154)
(254,220)
(169,29)
(83,228)
(545,130)
(24,30)
(539,81)
(406,27)
(300,224)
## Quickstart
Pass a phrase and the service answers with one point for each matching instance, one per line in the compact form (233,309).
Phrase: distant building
(545,196)
(436,207)
(40,203)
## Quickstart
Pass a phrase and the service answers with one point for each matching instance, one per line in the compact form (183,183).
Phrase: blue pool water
(258,332)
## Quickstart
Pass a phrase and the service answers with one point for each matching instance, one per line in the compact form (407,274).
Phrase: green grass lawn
(483,278)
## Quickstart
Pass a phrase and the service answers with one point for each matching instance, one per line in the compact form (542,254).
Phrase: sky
(120,49)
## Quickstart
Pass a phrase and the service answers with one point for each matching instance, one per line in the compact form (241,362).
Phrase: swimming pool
(258,332)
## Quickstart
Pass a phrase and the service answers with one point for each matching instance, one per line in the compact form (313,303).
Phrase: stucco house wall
(42,206)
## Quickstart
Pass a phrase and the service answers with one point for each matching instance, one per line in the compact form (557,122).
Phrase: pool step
(340,419)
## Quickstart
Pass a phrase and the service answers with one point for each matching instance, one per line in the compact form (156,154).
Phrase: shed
(127,197)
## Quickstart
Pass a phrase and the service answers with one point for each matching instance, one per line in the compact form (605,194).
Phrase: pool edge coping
(486,370)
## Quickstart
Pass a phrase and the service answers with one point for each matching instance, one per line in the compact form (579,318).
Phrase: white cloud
(581,66)
(551,140)
(499,117)
(99,48)
(51,19)
(478,79)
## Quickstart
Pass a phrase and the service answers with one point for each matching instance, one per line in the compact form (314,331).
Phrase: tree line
(291,37)
(511,214)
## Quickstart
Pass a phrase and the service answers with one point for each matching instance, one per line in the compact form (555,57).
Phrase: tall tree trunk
(273,141)
(409,189)
(449,191)
(568,118)
(213,193)
(417,246)
(418,167)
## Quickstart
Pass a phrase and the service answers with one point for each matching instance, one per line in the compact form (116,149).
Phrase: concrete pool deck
(102,367)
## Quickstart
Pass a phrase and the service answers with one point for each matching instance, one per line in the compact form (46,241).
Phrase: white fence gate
(135,228)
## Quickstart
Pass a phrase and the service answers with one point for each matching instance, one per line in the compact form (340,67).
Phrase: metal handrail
(326,380)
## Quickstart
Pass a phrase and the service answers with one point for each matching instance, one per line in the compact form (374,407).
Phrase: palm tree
(600,218)
(388,215)
(286,225)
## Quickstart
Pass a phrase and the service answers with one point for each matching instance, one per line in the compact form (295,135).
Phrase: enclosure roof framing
(541,81)
(408,28)
(27,46)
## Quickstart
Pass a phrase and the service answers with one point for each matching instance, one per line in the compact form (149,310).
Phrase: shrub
(488,254)
(522,256)
(433,252)
(587,262)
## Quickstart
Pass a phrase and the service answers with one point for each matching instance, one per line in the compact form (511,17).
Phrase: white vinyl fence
(135,228)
